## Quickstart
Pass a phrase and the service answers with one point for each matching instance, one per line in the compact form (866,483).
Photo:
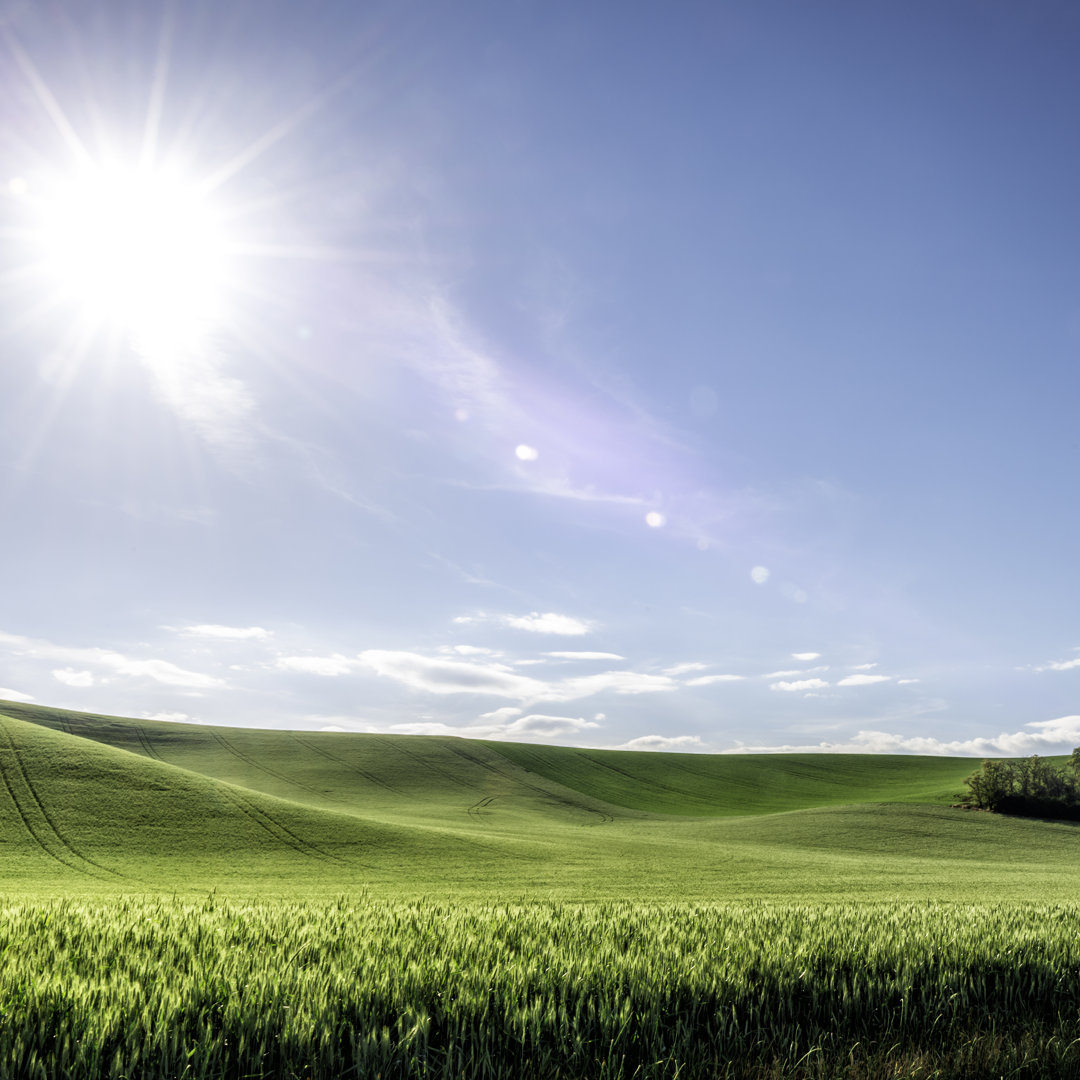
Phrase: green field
(183,900)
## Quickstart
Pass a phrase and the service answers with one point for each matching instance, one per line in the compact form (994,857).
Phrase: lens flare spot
(524,452)
(655,520)
(759,575)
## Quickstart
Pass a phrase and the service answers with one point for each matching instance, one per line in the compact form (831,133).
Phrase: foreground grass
(164,988)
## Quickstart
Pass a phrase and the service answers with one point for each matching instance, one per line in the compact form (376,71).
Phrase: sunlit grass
(356,987)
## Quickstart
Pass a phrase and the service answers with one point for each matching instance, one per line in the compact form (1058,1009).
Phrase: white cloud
(507,712)
(800,684)
(906,682)
(452,676)
(170,717)
(662,742)
(863,667)
(759,575)
(708,680)
(794,671)
(162,671)
(1060,665)
(71,677)
(547,622)
(584,656)
(682,669)
(440,676)
(317,665)
(806,656)
(863,680)
(227,633)
(1053,736)
(505,723)
(473,650)
(548,727)
(7,694)
(618,682)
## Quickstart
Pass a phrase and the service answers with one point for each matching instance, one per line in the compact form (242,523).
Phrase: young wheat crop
(157,988)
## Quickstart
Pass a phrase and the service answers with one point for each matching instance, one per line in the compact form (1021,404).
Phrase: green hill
(108,803)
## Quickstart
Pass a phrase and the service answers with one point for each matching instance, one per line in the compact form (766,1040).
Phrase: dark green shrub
(1032,787)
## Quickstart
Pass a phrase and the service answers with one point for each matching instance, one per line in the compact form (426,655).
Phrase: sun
(141,250)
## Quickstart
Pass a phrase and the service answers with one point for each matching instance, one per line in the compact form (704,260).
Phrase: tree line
(1030,787)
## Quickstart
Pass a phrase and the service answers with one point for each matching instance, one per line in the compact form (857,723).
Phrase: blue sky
(698,377)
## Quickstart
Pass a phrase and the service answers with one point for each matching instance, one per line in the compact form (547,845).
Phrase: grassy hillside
(743,784)
(432,774)
(102,803)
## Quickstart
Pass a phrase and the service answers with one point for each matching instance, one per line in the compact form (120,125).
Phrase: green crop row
(357,988)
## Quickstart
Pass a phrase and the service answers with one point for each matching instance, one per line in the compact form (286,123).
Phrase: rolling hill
(108,803)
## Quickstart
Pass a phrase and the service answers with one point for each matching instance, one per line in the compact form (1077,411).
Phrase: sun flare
(141,251)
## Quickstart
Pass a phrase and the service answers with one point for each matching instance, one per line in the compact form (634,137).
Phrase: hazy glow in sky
(587,373)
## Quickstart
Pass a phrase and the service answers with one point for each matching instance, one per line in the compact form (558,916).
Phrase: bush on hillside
(1030,787)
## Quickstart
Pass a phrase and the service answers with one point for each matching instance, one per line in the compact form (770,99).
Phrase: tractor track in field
(477,809)
(36,832)
(642,780)
(226,745)
(271,825)
(563,801)
(144,739)
(370,777)
(434,768)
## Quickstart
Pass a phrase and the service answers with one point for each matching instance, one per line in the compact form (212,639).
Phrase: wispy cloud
(548,623)
(72,677)
(219,407)
(863,680)
(806,656)
(161,671)
(1061,665)
(662,743)
(1041,736)
(226,633)
(441,676)
(684,669)
(708,680)
(586,656)
(536,622)
(549,727)
(499,724)
(7,694)
(327,666)
(799,684)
